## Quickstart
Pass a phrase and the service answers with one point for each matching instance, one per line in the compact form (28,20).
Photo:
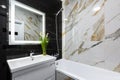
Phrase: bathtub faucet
(31,55)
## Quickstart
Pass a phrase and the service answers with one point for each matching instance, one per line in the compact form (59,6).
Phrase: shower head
(59,11)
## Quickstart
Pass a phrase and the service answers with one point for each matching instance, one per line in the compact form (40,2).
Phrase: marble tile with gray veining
(92,32)
(114,35)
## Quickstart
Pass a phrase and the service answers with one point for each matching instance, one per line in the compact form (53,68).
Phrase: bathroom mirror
(25,24)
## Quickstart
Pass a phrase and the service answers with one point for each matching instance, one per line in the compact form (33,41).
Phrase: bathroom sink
(26,62)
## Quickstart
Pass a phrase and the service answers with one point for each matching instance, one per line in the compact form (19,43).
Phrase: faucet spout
(31,55)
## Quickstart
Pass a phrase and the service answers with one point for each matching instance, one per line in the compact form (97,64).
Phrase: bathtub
(79,71)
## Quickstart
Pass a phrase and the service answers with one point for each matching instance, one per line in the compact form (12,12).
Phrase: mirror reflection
(28,25)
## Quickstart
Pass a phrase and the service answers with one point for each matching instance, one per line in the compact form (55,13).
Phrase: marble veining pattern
(92,36)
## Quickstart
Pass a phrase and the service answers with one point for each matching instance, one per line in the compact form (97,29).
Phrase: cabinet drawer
(39,72)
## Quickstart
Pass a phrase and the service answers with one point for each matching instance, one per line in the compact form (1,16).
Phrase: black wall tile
(15,51)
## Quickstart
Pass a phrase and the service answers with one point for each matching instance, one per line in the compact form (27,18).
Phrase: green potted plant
(44,42)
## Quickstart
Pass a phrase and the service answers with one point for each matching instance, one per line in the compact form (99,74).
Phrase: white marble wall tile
(92,37)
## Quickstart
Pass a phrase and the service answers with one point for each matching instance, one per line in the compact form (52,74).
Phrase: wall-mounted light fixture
(3,6)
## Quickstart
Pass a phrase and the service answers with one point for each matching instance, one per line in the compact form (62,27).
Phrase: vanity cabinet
(44,71)
(41,68)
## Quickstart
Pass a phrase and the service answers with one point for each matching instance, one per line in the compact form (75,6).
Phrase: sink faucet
(31,55)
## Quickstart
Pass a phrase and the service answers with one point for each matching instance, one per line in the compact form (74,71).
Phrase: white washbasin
(25,62)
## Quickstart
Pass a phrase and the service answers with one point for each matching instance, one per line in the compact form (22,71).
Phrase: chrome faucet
(31,55)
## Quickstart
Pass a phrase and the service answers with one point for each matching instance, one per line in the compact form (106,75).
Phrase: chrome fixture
(31,55)
(56,24)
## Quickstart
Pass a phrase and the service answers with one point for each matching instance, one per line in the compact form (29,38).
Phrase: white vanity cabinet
(43,70)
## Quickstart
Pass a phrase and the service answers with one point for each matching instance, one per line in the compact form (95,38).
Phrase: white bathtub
(80,71)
